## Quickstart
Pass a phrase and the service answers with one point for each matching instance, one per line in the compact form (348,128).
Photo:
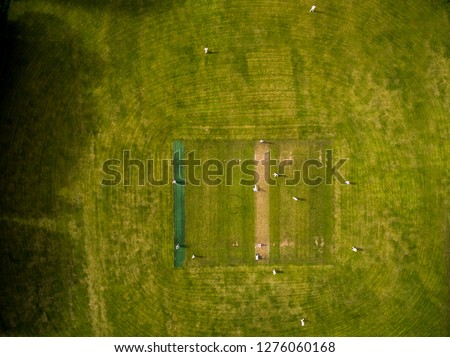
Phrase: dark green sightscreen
(178,201)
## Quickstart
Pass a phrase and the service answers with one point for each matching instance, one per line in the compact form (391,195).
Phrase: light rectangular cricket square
(225,169)
(270,206)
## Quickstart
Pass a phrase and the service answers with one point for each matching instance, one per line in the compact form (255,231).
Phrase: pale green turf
(297,226)
(220,215)
(86,80)
(220,209)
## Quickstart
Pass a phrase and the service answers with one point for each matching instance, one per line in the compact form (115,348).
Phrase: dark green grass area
(47,283)
(85,80)
(179,204)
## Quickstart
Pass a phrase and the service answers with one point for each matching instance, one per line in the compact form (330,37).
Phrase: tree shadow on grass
(47,118)
(47,124)
(134,7)
(42,274)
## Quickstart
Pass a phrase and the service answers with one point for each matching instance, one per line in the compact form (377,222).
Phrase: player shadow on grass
(279,175)
(179,182)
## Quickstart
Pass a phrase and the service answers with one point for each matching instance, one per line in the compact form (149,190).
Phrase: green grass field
(84,81)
